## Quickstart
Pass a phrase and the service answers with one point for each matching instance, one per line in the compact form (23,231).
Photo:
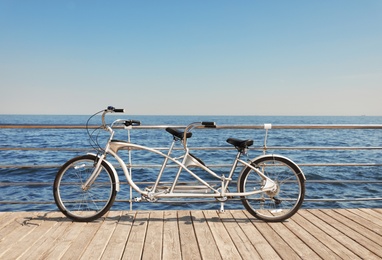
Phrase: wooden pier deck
(310,234)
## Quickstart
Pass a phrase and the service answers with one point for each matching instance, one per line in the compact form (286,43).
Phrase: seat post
(234,165)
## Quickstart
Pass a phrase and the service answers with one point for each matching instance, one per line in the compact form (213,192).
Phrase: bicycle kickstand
(222,201)
(222,207)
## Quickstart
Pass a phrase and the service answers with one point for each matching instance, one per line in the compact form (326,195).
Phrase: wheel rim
(77,202)
(280,203)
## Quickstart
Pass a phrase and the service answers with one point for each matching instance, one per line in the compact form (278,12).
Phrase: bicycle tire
(72,200)
(285,200)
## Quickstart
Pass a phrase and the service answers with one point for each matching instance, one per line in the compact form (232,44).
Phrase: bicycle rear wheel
(284,200)
(76,203)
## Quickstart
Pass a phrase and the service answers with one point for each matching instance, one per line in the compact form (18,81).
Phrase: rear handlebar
(132,122)
(209,124)
(205,124)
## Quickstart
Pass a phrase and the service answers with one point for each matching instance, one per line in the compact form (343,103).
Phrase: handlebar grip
(209,124)
(132,123)
(115,110)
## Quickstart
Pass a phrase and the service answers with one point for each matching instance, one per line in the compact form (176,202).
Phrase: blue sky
(191,57)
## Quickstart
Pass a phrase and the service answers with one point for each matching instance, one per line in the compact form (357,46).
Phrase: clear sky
(195,57)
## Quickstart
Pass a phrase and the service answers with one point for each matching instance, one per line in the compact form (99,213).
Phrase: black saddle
(240,144)
(177,133)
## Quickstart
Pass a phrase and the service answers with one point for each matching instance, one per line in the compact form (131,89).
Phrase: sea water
(26,191)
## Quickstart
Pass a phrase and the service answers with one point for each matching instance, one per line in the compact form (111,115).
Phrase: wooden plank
(135,242)
(50,242)
(223,241)
(24,226)
(5,219)
(117,242)
(372,212)
(341,230)
(317,228)
(97,245)
(22,245)
(205,239)
(261,245)
(278,244)
(188,242)
(369,215)
(357,233)
(154,237)
(45,243)
(171,241)
(11,221)
(239,238)
(368,223)
(294,242)
(336,234)
(61,245)
(296,226)
(80,243)
(309,234)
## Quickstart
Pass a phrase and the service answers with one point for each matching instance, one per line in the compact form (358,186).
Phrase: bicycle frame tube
(256,170)
(189,160)
(113,146)
(117,145)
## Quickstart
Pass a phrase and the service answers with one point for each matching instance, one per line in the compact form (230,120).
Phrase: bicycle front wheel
(75,202)
(287,194)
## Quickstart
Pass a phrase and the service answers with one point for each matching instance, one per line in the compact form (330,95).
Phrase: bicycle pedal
(137,199)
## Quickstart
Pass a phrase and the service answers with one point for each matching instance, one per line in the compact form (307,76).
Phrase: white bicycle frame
(113,146)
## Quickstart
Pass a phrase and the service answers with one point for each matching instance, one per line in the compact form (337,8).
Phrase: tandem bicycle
(271,187)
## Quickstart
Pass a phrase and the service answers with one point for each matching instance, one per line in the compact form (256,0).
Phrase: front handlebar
(127,123)
(115,110)
(110,109)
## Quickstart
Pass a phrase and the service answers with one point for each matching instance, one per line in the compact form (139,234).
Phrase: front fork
(97,170)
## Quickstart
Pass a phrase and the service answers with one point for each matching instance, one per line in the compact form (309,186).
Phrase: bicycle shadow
(136,218)
(37,218)
(189,219)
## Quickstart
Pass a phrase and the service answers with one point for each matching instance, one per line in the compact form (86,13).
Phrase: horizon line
(37,114)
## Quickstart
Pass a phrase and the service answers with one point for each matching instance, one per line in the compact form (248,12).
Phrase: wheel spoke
(280,203)
(76,203)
